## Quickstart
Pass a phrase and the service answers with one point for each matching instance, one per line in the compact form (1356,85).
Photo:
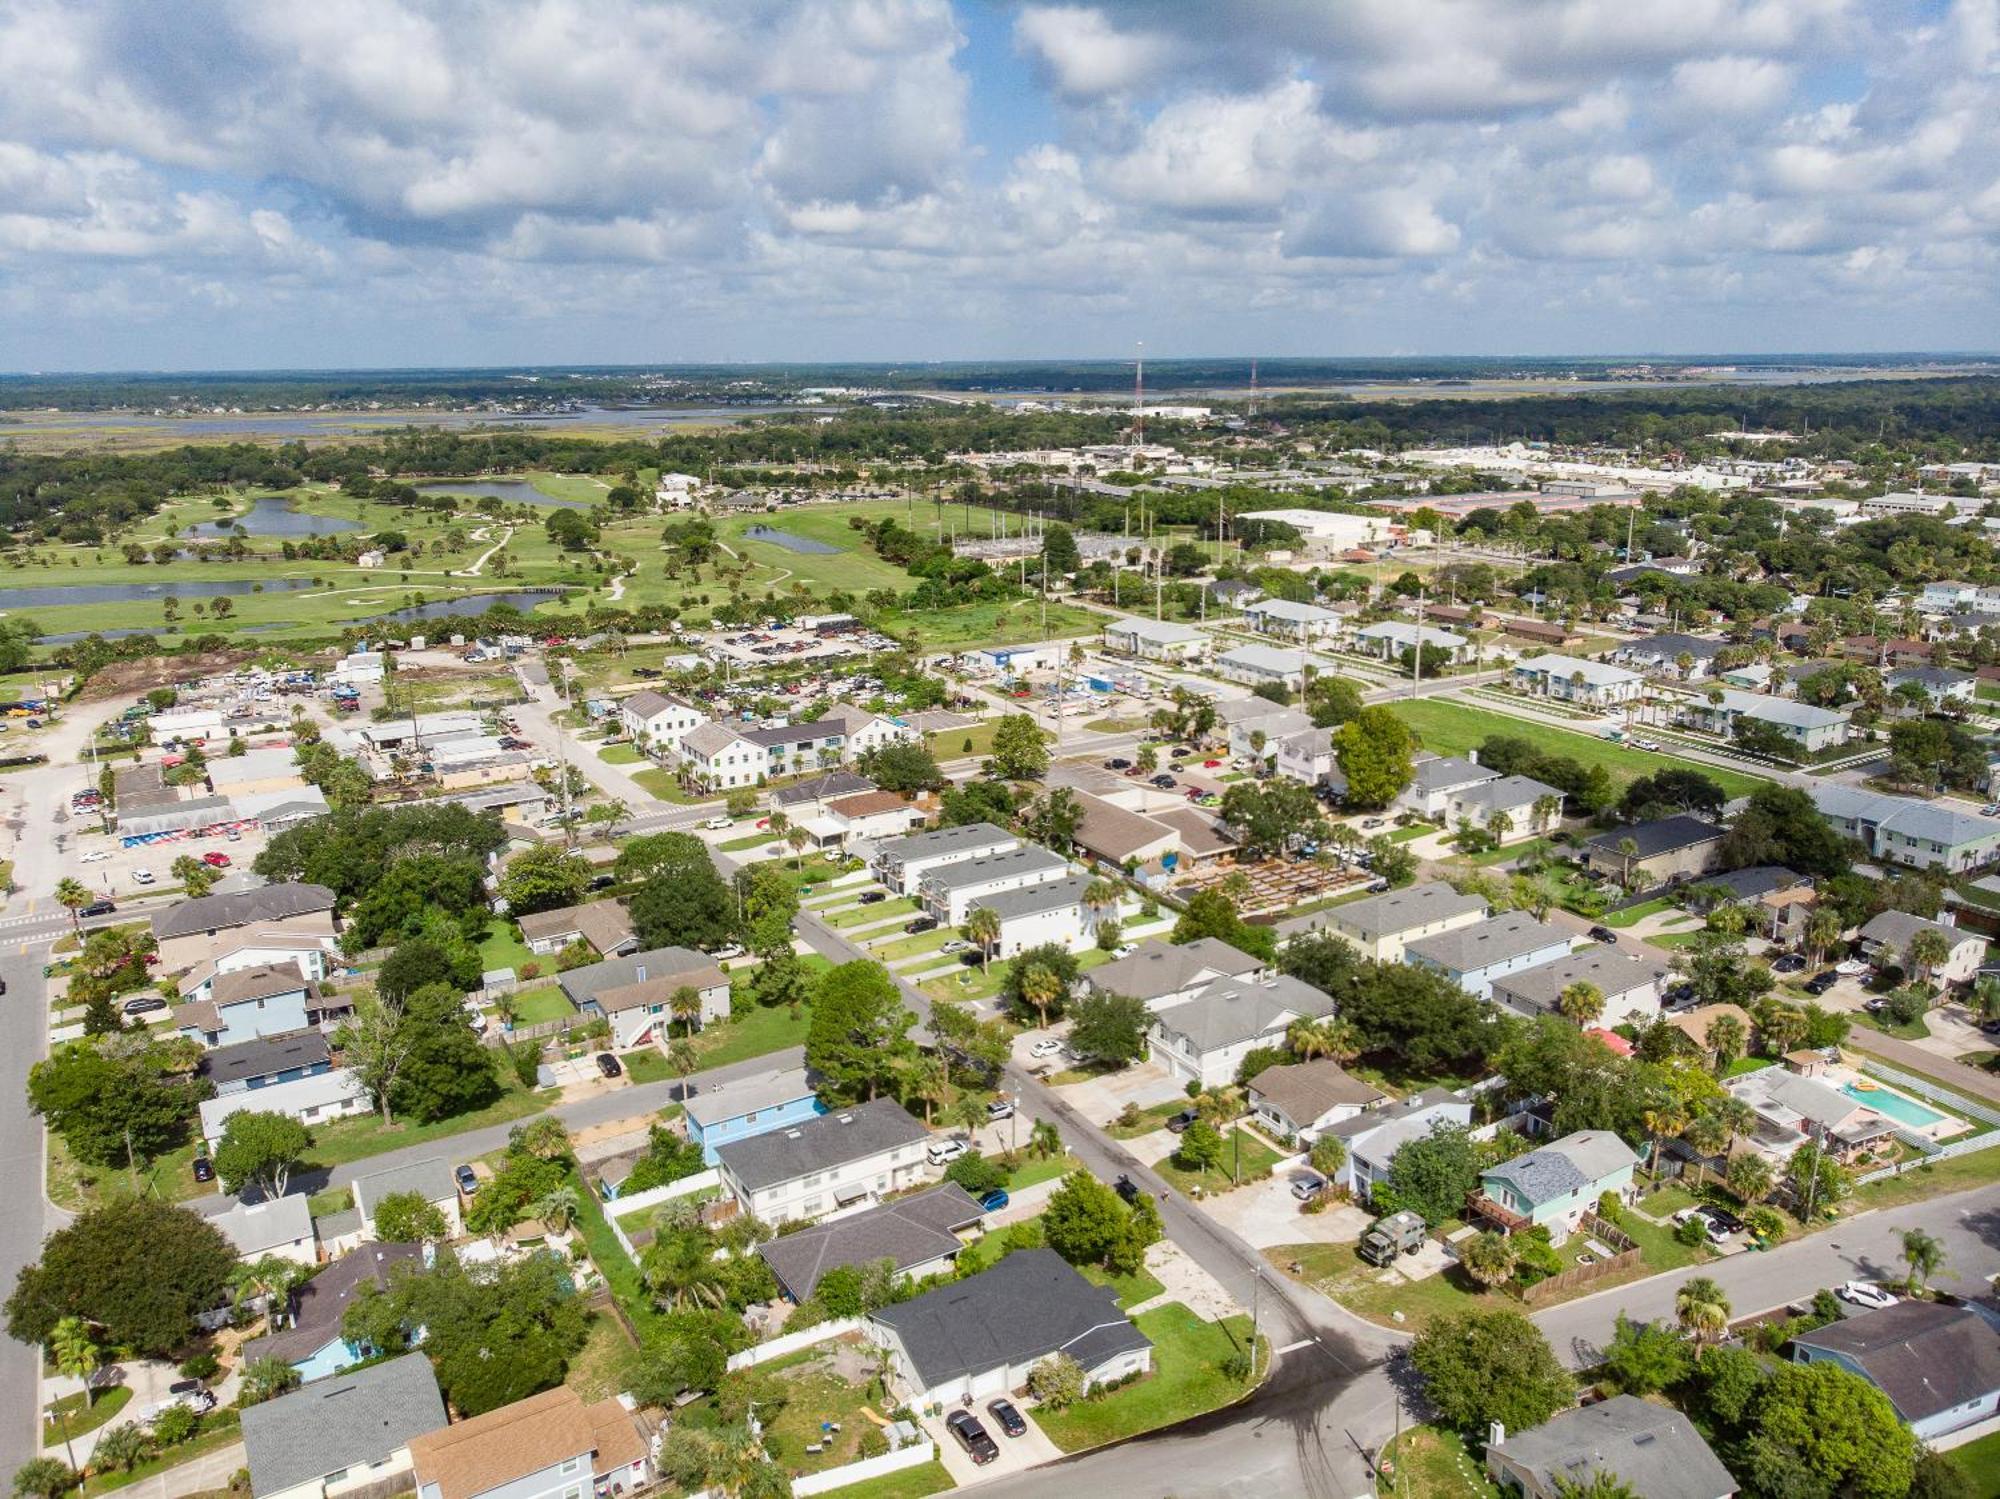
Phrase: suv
(609,1065)
(944,1152)
(1000,1108)
(978,1446)
(1179,1123)
(920,925)
(1602,934)
(1819,983)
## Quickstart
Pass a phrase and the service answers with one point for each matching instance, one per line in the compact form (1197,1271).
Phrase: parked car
(1126,1188)
(1179,1123)
(144,1004)
(871,897)
(467,1179)
(1048,1046)
(1306,1188)
(216,860)
(944,1152)
(1165,782)
(1850,967)
(95,855)
(717,824)
(1602,934)
(978,1446)
(142,876)
(1864,1293)
(921,924)
(1370,824)
(995,1200)
(957,944)
(609,1065)
(1211,765)
(1118,764)
(1791,962)
(98,908)
(1819,983)
(204,1169)
(1010,1419)
(1000,1108)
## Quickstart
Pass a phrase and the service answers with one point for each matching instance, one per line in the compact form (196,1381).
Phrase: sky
(324,183)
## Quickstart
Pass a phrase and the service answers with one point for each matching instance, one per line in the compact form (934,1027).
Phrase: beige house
(1383,926)
(186,932)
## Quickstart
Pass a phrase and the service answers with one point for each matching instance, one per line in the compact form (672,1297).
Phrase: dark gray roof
(1661,836)
(1500,939)
(584,984)
(796,733)
(263,1056)
(970,874)
(897,852)
(1556,1170)
(1667,647)
(1759,879)
(1232,1010)
(1653,1449)
(822,788)
(1028,1306)
(1612,970)
(1924,1356)
(429,1178)
(911,1231)
(1055,895)
(1896,928)
(319,1304)
(214,913)
(831,1140)
(343,1422)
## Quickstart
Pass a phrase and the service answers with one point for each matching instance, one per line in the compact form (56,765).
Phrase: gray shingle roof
(1233,1010)
(1510,935)
(749,1095)
(1896,928)
(911,1231)
(1028,1306)
(1445,771)
(1303,1091)
(1934,822)
(1924,1356)
(1661,836)
(266,903)
(831,1140)
(1155,968)
(430,1179)
(1507,792)
(583,985)
(343,1422)
(822,788)
(898,852)
(1029,858)
(1055,895)
(1654,1450)
(1404,910)
(319,1304)
(1611,970)
(1560,1168)
(265,1055)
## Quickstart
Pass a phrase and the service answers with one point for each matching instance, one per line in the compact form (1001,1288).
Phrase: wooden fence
(1627,1255)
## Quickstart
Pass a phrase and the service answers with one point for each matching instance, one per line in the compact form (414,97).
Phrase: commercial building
(1260,665)
(1286,620)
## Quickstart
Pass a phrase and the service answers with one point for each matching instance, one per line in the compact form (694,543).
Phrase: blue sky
(381,182)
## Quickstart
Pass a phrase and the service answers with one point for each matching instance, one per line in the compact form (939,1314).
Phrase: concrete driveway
(1102,1099)
(1265,1213)
(1017,1454)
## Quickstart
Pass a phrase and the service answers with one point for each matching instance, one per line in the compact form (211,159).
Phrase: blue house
(754,1106)
(266,1062)
(252,1003)
(311,1342)
(1474,956)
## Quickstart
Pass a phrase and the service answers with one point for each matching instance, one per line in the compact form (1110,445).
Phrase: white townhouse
(951,890)
(1289,621)
(1257,665)
(1513,797)
(1049,912)
(655,722)
(1577,679)
(1156,640)
(1392,637)
(851,1156)
(719,758)
(902,863)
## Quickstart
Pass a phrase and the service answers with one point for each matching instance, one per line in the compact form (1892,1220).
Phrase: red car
(215,861)
(1210,764)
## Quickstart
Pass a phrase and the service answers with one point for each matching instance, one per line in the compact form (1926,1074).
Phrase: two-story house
(1381,926)
(902,863)
(1435,779)
(430,1179)
(635,993)
(716,757)
(751,1106)
(1050,912)
(1160,974)
(852,1155)
(255,1002)
(1302,1100)
(656,722)
(346,1435)
(1373,1136)
(1206,1038)
(184,932)
(550,1446)
(257,947)
(1474,956)
(1630,986)
(1577,679)
(951,890)
(265,1061)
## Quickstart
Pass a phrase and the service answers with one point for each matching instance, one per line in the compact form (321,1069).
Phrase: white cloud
(1085,55)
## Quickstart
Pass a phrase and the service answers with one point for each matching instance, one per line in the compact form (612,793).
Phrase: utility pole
(1139,398)
(1256,1308)
(1417,655)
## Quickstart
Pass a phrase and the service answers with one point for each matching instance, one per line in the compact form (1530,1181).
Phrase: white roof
(1286,609)
(1265,658)
(1596,673)
(327,1088)
(1780,710)
(257,1227)
(1402,633)
(1158,631)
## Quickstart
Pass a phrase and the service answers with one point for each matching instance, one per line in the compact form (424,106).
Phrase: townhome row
(720,756)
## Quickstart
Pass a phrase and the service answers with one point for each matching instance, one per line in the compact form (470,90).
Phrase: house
(818,790)
(1299,1100)
(1374,1136)
(430,1179)
(1651,1449)
(750,1106)
(1050,912)
(281,1228)
(1237,593)
(1694,1024)
(1554,1185)
(656,723)
(1576,679)
(950,890)
(1474,956)
(1745,885)
(1903,830)
(1631,986)
(868,816)
(902,863)
(1205,1039)
(1939,1365)
(1509,808)
(716,757)
(256,947)
(1810,728)
(1688,658)
(920,1234)
(1542,631)
(183,931)
(1660,852)
(1885,942)
(794,748)
(635,992)
(1257,665)
(311,1341)
(979,1337)
(345,1435)
(861,730)
(1435,779)
(253,1002)
(1256,736)
(335,1093)
(549,1446)
(1160,974)
(1940,685)
(1792,1109)
(1286,620)
(1309,757)
(1156,640)
(250,1065)
(1124,839)
(849,1156)
(1390,639)
(605,924)
(1383,925)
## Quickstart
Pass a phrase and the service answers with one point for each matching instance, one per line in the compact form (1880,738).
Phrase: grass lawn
(74,1186)
(972,984)
(662,783)
(1256,1163)
(1981,1462)
(1115,725)
(882,910)
(755,840)
(952,744)
(621,753)
(356,1139)
(1151,1118)
(752,1034)
(814,1394)
(69,1414)
(332,1200)
(1432,1462)
(1042,1168)
(909,947)
(1961,1173)
(601,1369)
(1187,1379)
(1634,914)
(1449,728)
(911,1483)
(502,947)
(536,1005)
(620,1274)
(811,870)
(1409,834)
(218,1429)
(994,622)
(1133,1290)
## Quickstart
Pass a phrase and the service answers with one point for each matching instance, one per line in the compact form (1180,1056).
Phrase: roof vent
(846,1118)
(791,1134)
(1643,1439)
(639,974)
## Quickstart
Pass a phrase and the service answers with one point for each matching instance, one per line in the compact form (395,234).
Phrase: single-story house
(921,1234)
(980,1337)
(750,1106)
(549,1446)
(333,1093)
(1885,941)
(281,1228)
(1631,986)
(1302,1099)
(1662,851)
(1206,1038)
(1578,679)
(1554,1185)
(1156,640)
(1474,956)
(1653,1450)
(1121,837)
(1162,974)
(870,815)
(1373,1137)
(251,1065)
(342,1435)
(1258,665)
(1383,925)
(1939,1365)
(1255,735)
(1792,1109)
(605,924)
(819,790)
(311,1341)
(1394,636)
(635,992)
(836,1160)
(430,1179)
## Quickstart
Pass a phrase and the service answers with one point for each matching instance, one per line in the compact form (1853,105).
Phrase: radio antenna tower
(1139,398)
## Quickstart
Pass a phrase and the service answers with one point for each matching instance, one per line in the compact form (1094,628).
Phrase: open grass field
(1448,728)
(1187,1379)
(1433,1462)
(1011,622)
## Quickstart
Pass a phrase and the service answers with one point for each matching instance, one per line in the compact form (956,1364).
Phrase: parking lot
(107,867)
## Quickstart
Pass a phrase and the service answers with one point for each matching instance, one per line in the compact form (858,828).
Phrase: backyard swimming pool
(1895,1106)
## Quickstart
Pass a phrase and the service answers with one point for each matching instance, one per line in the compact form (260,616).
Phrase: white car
(944,1152)
(956,945)
(1047,1047)
(96,855)
(1850,967)
(726,951)
(142,876)
(718,824)
(1865,1293)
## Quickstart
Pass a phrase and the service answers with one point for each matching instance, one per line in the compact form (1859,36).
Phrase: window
(572,1465)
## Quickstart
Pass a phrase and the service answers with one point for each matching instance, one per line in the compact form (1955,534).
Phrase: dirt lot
(1278,885)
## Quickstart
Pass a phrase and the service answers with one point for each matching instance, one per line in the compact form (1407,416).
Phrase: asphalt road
(23,1033)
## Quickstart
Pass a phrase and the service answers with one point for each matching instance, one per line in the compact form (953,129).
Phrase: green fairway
(1448,728)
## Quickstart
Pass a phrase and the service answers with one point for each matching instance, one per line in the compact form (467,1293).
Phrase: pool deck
(1871,1092)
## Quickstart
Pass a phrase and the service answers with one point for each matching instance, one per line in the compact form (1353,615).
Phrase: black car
(204,1169)
(603,881)
(98,908)
(1680,994)
(1118,764)
(1126,1188)
(1602,934)
(1723,1220)
(144,1004)
(921,924)
(1791,962)
(981,1448)
(1182,1120)
(1819,983)
(1165,782)
(1010,1419)
(871,897)
(609,1065)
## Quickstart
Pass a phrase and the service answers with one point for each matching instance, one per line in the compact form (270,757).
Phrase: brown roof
(1303,1091)
(657,991)
(604,924)
(246,984)
(1694,1023)
(477,1456)
(201,1015)
(1539,629)
(1111,832)
(1201,835)
(868,804)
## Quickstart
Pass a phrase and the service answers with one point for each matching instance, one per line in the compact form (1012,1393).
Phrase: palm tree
(1628,851)
(1726,1039)
(1708,1135)
(1923,1253)
(982,930)
(72,896)
(557,1208)
(1928,951)
(1306,1039)
(1499,823)
(967,1111)
(799,839)
(1582,1003)
(682,1272)
(1545,810)
(681,1057)
(777,824)
(1702,1309)
(930,1080)
(75,1352)
(1488,1258)
(684,1005)
(1664,1116)
(1750,1177)
(1041,987)
(1102,895)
